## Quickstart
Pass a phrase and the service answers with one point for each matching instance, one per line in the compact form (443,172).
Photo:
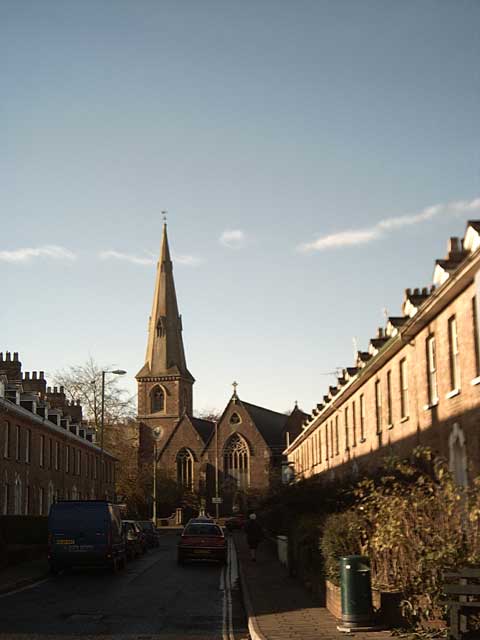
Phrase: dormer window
(235,418)
(157,397)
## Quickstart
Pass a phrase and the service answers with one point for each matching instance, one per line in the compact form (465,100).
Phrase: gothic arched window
(185,468)
(17,496)
(458,456)
(236,459)
(157,399)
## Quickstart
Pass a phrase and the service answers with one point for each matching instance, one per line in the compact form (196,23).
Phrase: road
(153,598)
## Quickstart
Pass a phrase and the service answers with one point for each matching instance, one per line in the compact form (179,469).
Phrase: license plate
(65,541)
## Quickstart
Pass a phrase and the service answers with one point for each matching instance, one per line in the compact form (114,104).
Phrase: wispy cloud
(111,254)
(187,261)
(148,259)
(233,238)
(354,237)
(27,254)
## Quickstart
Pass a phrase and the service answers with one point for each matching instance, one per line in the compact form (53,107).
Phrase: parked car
(235,522)
(202,539)
(150,533)
(85,533)
(134,538)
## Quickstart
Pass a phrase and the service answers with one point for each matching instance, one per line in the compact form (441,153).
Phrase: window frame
(453,354)
(432,370)
(404,396)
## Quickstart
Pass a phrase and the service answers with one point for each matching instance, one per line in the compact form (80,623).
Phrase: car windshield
(202,530)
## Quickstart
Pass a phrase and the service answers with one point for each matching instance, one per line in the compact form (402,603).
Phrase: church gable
(248,438)
(181,455)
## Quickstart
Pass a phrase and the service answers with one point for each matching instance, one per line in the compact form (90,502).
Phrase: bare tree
(213,415)
(84,382)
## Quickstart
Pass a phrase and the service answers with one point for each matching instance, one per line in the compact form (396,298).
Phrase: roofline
(25,413)
(431,307)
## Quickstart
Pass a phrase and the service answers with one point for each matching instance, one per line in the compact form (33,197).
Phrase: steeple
(165,353)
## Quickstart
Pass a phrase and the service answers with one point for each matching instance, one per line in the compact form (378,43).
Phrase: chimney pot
(454,247)
(62,389)
(15,356)
(408,292)
(1,356)
(26,375)
(7,356)
(425,291)
(49,389)
(416,291)
(55,390)
(42,375)
(34,375)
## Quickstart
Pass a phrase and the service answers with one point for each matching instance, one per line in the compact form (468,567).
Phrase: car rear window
(202,530)
(75,515)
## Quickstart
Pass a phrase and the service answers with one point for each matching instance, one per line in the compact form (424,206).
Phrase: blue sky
(277,134)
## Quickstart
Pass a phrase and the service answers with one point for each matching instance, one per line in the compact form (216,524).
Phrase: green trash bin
(356,590)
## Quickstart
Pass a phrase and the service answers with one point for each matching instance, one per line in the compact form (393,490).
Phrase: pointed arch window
(185,468)
(236,460)
(157,399)
(458,456)
(17,496)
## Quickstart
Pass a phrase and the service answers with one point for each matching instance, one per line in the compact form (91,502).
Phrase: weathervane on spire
(164,215)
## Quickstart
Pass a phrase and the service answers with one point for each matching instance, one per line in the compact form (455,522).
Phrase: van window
(76,515)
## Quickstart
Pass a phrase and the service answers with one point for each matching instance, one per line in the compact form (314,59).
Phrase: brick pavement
(278,607)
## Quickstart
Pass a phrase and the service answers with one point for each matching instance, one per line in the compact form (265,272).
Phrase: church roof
(270,423)
(204,428)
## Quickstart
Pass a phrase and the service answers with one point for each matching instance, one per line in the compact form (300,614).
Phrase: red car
(202,539)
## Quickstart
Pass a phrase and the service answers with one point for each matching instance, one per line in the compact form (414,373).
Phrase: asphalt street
(152,598)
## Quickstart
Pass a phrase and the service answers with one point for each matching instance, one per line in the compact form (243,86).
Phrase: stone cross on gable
(234,385)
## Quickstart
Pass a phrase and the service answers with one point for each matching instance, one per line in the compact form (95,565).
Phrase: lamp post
(217,506)
(117,372)
(157,432)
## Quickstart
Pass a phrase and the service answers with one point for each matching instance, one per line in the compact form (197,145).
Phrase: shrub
(343,535)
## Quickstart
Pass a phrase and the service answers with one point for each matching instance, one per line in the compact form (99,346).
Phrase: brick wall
(41,477)
(456,412)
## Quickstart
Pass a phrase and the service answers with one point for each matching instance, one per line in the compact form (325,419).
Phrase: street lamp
(157,432)
(217,501)
(117,372)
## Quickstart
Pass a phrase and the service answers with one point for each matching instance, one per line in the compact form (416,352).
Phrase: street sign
(217,500)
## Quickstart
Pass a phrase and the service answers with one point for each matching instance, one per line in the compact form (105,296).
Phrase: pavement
(278,607)
(23,574)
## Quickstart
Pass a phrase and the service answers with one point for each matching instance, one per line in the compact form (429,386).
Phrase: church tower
(164,382)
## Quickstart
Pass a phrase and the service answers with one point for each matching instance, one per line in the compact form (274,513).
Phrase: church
(229,462)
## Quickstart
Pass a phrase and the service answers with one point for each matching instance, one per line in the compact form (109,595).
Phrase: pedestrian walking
(254,535)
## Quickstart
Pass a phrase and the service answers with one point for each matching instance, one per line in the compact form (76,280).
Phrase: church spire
(165,353)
